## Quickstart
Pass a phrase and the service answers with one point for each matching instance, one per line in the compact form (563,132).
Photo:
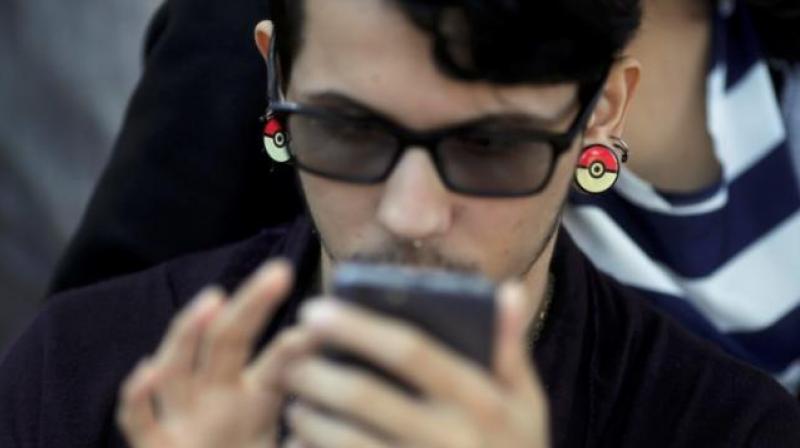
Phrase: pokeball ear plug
(599,165)
(276,139)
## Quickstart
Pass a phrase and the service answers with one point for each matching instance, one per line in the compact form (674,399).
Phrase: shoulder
(671,385)
(133,306)
(60,378)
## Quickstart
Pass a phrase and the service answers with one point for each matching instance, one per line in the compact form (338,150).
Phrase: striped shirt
(725,261)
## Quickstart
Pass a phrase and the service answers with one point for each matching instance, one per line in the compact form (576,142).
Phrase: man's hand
(198,390)
(462,405)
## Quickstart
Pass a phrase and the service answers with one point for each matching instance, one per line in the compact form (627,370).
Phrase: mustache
(406,254)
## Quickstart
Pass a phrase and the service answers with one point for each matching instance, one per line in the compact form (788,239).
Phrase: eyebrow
(515,120)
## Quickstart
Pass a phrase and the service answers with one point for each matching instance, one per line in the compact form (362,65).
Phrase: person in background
(157,198)
(706,221)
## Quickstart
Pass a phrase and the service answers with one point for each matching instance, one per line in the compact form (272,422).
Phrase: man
(119,236)
(425,135)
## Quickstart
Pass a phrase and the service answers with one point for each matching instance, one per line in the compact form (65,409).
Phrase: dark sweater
(616,372)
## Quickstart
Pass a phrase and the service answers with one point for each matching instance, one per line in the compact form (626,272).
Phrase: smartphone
(457,309)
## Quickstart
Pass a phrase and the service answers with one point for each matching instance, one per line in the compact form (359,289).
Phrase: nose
(415,204)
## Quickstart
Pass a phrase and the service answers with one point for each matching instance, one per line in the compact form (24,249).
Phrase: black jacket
(617,374)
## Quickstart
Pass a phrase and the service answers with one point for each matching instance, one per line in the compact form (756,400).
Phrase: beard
(405,253)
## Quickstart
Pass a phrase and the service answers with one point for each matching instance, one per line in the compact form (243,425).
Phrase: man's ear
(263,35)
(608,118)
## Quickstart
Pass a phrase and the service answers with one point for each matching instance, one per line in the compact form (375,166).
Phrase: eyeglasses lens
(342,148)
(495,166)
(360,151)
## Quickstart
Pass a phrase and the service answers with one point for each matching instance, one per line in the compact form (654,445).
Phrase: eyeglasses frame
(588,96)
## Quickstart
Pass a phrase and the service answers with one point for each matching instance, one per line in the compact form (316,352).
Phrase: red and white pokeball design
(598,169)
(276,139)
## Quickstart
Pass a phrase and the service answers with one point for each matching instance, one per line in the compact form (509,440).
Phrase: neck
(667,126)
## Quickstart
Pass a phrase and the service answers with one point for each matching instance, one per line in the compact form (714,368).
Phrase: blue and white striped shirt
(724,261)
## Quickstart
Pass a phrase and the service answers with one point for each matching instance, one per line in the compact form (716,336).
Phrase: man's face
(368,51)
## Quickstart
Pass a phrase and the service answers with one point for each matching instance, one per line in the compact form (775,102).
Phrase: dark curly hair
(503,41)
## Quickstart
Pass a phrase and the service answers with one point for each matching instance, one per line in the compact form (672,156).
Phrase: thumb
(512,363)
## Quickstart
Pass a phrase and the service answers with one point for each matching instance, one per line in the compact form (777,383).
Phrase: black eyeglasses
(469,160)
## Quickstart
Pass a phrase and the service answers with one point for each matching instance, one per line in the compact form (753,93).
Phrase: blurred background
(67,70)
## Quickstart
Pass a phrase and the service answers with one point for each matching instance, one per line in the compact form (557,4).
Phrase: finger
(363,398)
(408,353)
(511,346)
(266,370)
(326,431)
(135,412)
(514,366)
(177,354)
(229,341)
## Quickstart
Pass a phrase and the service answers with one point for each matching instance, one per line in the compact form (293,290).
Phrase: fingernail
(511,299)
(205,299)
(511,295)
(273,272)
(274,265)
(138,369)
(320,313)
